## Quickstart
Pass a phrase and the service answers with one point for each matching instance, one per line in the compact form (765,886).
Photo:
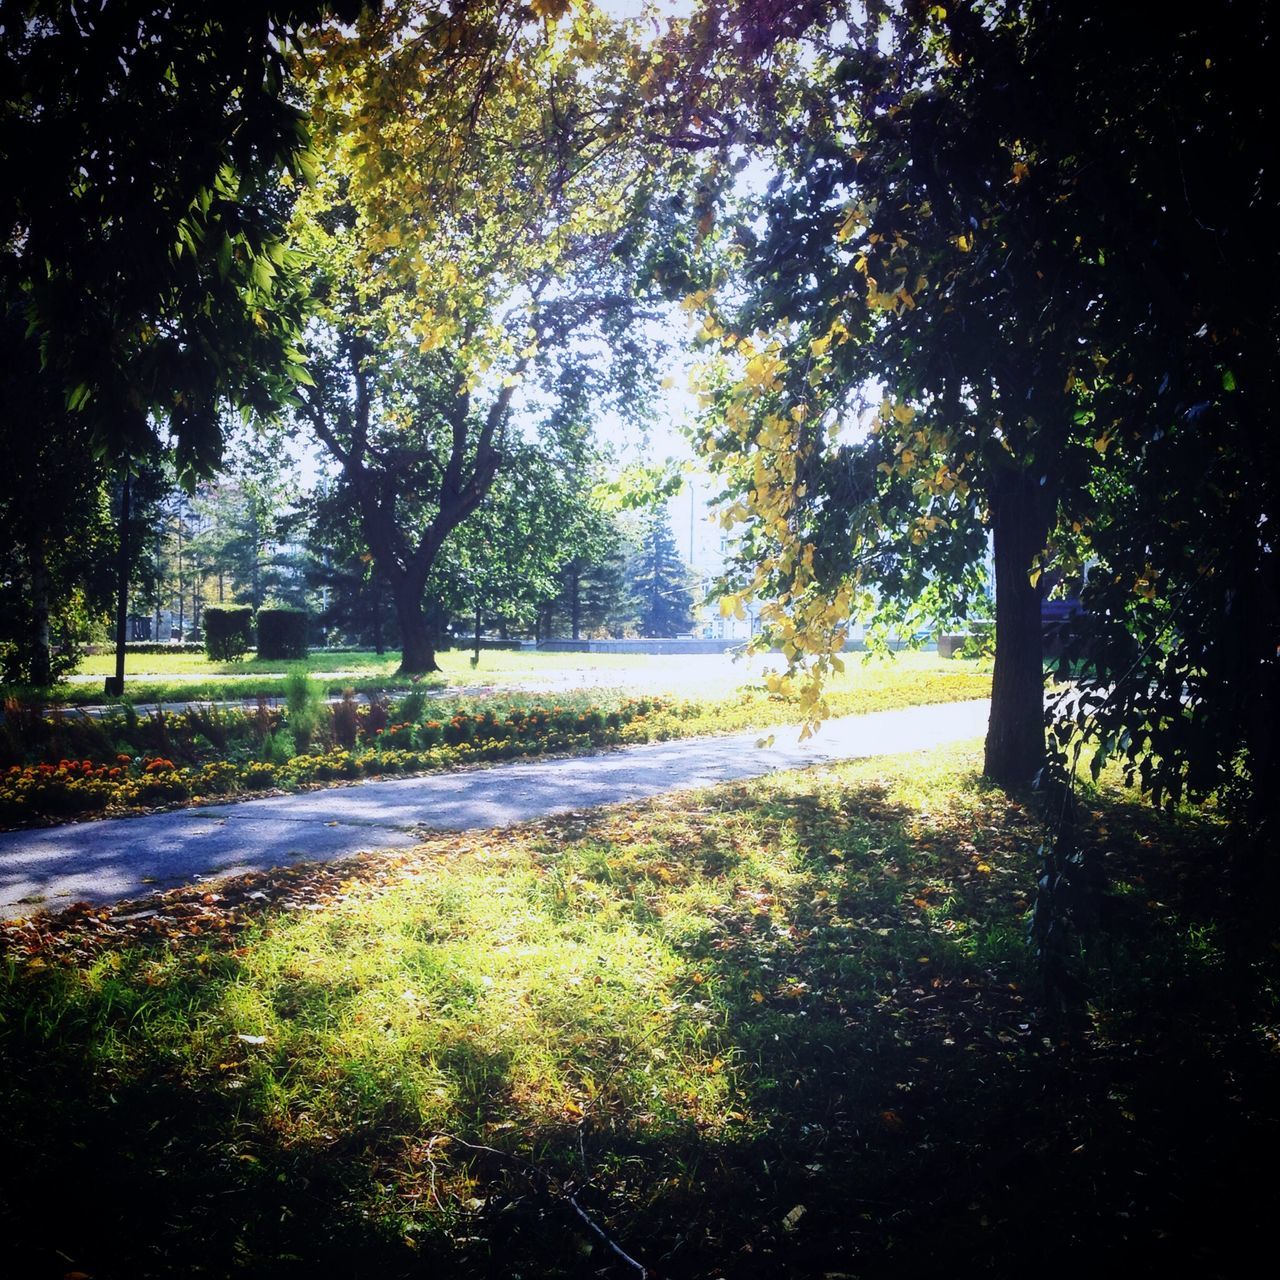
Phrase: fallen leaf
(793,1217)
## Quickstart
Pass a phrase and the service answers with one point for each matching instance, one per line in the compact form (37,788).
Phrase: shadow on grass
(870,1088)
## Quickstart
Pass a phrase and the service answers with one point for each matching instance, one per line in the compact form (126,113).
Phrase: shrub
(346,720)
(307,710)
(412,706)
(282,632)
(228,632)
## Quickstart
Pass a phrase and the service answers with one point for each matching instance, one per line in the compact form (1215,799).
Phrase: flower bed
(33,792)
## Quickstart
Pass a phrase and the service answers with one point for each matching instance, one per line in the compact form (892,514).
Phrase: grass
(192,677)
(782,1028)
(456,663)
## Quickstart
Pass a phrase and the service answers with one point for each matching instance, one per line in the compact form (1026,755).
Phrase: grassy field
(456,663)
(786,1028)
(171,678)
(178,677)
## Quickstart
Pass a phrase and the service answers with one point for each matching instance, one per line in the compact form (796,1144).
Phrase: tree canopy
(956,309)
(473,215)
(144,239)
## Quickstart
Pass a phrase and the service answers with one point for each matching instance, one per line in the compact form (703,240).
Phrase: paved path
(122,857)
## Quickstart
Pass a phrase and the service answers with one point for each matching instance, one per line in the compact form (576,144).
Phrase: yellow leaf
(852,221)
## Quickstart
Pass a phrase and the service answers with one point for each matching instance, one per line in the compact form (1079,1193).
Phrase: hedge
(228,632)
(149,646)
(282,632)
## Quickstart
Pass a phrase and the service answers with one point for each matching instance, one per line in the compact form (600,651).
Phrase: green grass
(191,677)
(697,1014)
(456,663)
(203,681)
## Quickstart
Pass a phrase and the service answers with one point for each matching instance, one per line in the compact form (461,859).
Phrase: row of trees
(284,233)
(253,536)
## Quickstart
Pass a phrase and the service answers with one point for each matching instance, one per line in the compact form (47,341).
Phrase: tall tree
(594,590)
(929,274)
(458,250)
(661,581)
(141,223)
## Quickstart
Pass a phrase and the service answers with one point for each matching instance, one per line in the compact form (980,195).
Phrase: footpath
(118,858)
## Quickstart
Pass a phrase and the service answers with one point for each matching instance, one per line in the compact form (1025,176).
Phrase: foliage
(307,713)
(247,524)
(282,632)
(984,257)
(228,632)
(143,222)
(55,522)
(595,594)
(661,581)
(435,311)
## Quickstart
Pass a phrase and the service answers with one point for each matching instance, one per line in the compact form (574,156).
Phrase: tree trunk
(375,590)
(41,660)
(1253,642)
(418,636)
(1015,731)
(114,685)
(575,601)
(475,660)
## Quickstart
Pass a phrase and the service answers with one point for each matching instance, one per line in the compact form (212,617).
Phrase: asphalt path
(119,858)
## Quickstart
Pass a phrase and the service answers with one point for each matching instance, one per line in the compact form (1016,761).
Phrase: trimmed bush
(282,632)
(228,632)
(149,646)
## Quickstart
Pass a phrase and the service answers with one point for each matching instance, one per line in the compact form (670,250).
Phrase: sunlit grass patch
(810,989)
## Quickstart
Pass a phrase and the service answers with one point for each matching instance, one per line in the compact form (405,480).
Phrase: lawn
(456,663)
(180,677)
(785,1028)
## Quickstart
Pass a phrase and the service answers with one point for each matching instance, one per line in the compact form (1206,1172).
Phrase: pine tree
(662,582)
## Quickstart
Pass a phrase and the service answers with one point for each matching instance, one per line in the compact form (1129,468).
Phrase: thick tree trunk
(418,636)
(41,660)
(375,590)
(1015,731)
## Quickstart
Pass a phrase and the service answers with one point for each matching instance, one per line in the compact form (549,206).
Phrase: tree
(142,223)
(1022,230)
(143,227)
(54,520)
(594,590)
(458,249)
(929,275)
(249,520)
(661,581)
